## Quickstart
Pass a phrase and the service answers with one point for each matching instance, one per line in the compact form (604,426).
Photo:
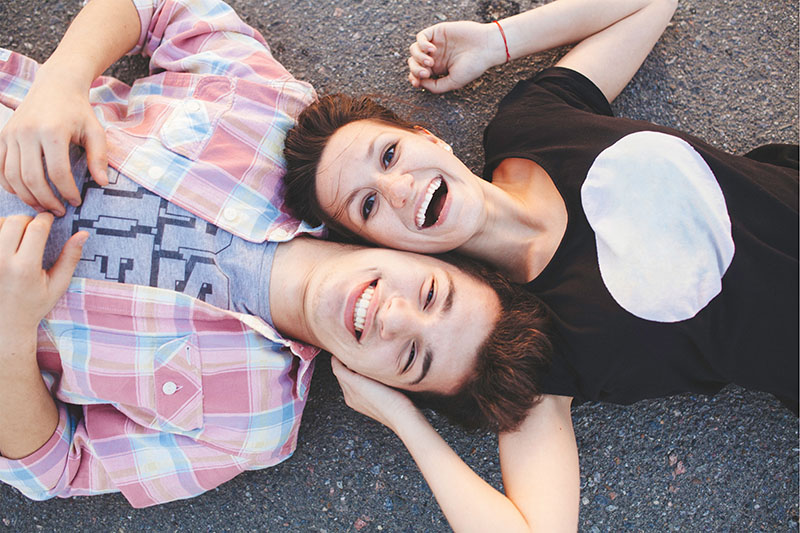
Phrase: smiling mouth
(360,311)
(431,208)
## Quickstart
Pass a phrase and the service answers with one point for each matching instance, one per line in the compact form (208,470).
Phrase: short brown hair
(308,138)
(505,382)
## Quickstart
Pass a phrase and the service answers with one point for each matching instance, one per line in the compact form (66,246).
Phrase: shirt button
(193,106)
(155,172)
(280,234)
(169,388)
(230,214)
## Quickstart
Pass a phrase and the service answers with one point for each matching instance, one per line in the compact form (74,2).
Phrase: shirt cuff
(39,474)
(146,10)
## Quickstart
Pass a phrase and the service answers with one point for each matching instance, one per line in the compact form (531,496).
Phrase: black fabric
(747,334)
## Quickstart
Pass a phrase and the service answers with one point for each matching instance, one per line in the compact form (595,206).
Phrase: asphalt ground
(726,71)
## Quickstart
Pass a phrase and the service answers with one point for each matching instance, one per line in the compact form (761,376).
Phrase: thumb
(61,272)
(96,151)
(438,85)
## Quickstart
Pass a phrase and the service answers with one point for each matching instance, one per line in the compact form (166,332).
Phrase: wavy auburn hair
(305,143)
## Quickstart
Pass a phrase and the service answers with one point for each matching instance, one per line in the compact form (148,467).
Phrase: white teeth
(362,304)
(427,200)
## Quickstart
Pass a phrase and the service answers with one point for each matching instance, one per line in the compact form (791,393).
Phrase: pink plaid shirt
(175,396)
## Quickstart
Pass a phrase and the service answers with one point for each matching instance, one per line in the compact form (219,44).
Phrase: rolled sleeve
(44,473)
(146,9)
(200,36)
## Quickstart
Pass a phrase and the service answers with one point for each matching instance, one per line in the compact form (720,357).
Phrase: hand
(55,113)
(370,397)
(456,52)
(27,291)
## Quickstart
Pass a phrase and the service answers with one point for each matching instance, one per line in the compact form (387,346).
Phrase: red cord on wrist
(508,56)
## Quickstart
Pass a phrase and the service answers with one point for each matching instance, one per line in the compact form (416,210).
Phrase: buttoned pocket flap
(178,384)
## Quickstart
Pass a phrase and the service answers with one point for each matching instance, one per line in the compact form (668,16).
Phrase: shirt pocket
(192,121)
(178,384)
(156,382)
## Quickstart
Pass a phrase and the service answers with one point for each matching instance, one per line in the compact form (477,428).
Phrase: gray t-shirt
(138,237)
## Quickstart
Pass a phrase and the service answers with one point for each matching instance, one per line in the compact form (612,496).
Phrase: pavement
(726,71)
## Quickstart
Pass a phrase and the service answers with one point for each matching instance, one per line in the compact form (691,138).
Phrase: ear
(433,138)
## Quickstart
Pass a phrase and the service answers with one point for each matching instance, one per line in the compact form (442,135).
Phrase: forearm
(468,502)
(101,33)
(28,413)
(559,23)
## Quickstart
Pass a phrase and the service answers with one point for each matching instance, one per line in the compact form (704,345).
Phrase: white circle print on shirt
(661,224)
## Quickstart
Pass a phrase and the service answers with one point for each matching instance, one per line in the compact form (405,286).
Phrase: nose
(397,188)
(398,317)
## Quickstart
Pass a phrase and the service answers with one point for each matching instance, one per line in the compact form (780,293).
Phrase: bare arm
(539,463)
(56,110)
(28,414)
(614,38)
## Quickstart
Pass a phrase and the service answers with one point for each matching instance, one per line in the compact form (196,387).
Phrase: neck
(294,263)
(524,222)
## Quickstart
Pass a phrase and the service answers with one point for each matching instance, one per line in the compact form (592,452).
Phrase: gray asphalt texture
(726,71)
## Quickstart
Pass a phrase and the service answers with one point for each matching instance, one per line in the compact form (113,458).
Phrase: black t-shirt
(678,270)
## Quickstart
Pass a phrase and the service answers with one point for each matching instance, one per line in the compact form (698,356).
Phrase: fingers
(339,370)
(96,152)
(420,58)
(35,236)
(56,155)
(11,233)
(11,172)
(33,177)
(420,61)
(424,40)
(3,183)
(61,272)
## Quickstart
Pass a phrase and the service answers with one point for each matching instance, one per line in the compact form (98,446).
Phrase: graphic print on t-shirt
(661,225)
(138,237)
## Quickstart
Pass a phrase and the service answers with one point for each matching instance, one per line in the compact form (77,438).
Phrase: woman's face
(399,188)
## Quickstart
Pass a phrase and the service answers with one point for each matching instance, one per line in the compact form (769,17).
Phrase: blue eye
(388,156)
(430,295)
(366,207)
(411,355)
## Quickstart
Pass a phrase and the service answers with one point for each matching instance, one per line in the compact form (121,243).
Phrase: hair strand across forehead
(307,140)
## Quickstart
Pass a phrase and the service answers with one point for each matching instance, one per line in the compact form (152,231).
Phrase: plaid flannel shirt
(160,395)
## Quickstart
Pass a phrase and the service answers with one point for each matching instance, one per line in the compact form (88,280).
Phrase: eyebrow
(446,307)
(371,148)
(350,197)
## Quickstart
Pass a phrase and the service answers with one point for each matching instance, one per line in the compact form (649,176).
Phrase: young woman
(668,265)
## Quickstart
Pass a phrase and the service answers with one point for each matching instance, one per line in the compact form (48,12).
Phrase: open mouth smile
(361,309)
(431,207)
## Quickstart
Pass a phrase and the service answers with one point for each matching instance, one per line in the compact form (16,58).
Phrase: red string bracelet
(508,56)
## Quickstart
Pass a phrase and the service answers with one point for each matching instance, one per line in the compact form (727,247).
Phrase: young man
(177,395)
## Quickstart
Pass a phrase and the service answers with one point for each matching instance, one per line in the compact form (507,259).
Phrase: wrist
(65,74)
(497,51)
(17,349)
(405,422)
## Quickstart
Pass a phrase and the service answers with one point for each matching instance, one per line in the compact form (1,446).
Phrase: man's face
(406,320)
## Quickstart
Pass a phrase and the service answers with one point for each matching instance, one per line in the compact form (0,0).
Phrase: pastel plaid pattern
(176,396)
(160,395)
(205,130)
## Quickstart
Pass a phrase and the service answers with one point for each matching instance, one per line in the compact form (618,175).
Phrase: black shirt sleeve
(526,116)
(573,88)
